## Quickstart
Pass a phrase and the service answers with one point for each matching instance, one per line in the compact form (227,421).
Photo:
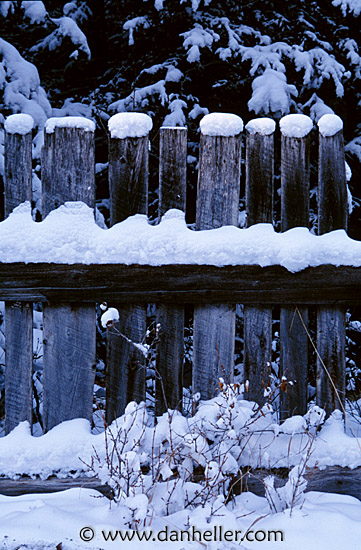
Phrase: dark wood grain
(332,215)
(128,187)
(67,168)
(331,334)
(170,317)
(18,316)
(247,284)
(172,169)
(217,205)
(259,178)
(18,174)
(69,362)
(126,365)
(332,191)
(28,486)
(295,185)
(128,177)
(257,320)
(333,479)
(18,363)
(69,330)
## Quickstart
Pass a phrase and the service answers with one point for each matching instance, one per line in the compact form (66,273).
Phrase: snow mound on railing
(70,235)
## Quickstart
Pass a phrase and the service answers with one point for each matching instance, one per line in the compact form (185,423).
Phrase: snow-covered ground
(322,522)
(148,467)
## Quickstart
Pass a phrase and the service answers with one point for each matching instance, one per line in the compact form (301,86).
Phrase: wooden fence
(69,292)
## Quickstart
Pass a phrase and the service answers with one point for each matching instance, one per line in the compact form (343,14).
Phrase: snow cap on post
(221,124)
(264,126)
(330,125)
(124,125)
(19,124)
(296,125)
(79,122)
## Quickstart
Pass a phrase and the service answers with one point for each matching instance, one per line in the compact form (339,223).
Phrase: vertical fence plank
(67,170)
(217,205)
(295,184)
(128,187)
(332,215)
(259,209)
(18,315)
(69,331)
(170,318)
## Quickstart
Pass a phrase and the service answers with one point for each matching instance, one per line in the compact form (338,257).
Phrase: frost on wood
(19,124)
(221,124)
(329,125)
(123,125)
(263,126)
(69,122)
(296,126)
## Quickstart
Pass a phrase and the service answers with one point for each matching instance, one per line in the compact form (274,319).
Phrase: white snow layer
(329,125)
(173,128)
(123,125)
(19,124)
(221,124)
(296,126)
(69,446)
(35,11)
(66,27)
(270,92)
(45,521)
(312,520)
(353,5)
(70,235)
(109,317)
(69,122)
(263,126)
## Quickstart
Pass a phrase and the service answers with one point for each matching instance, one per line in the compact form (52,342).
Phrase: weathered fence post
(69,330)
(259,209)
(170,318)
(18,315)
(128,187)
(295,184)
(217,205)
(332,215)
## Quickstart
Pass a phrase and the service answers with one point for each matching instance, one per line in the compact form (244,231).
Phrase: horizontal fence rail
(183,284)
(69,292)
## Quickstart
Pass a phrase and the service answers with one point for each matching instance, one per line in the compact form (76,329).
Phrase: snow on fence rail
(69,291)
